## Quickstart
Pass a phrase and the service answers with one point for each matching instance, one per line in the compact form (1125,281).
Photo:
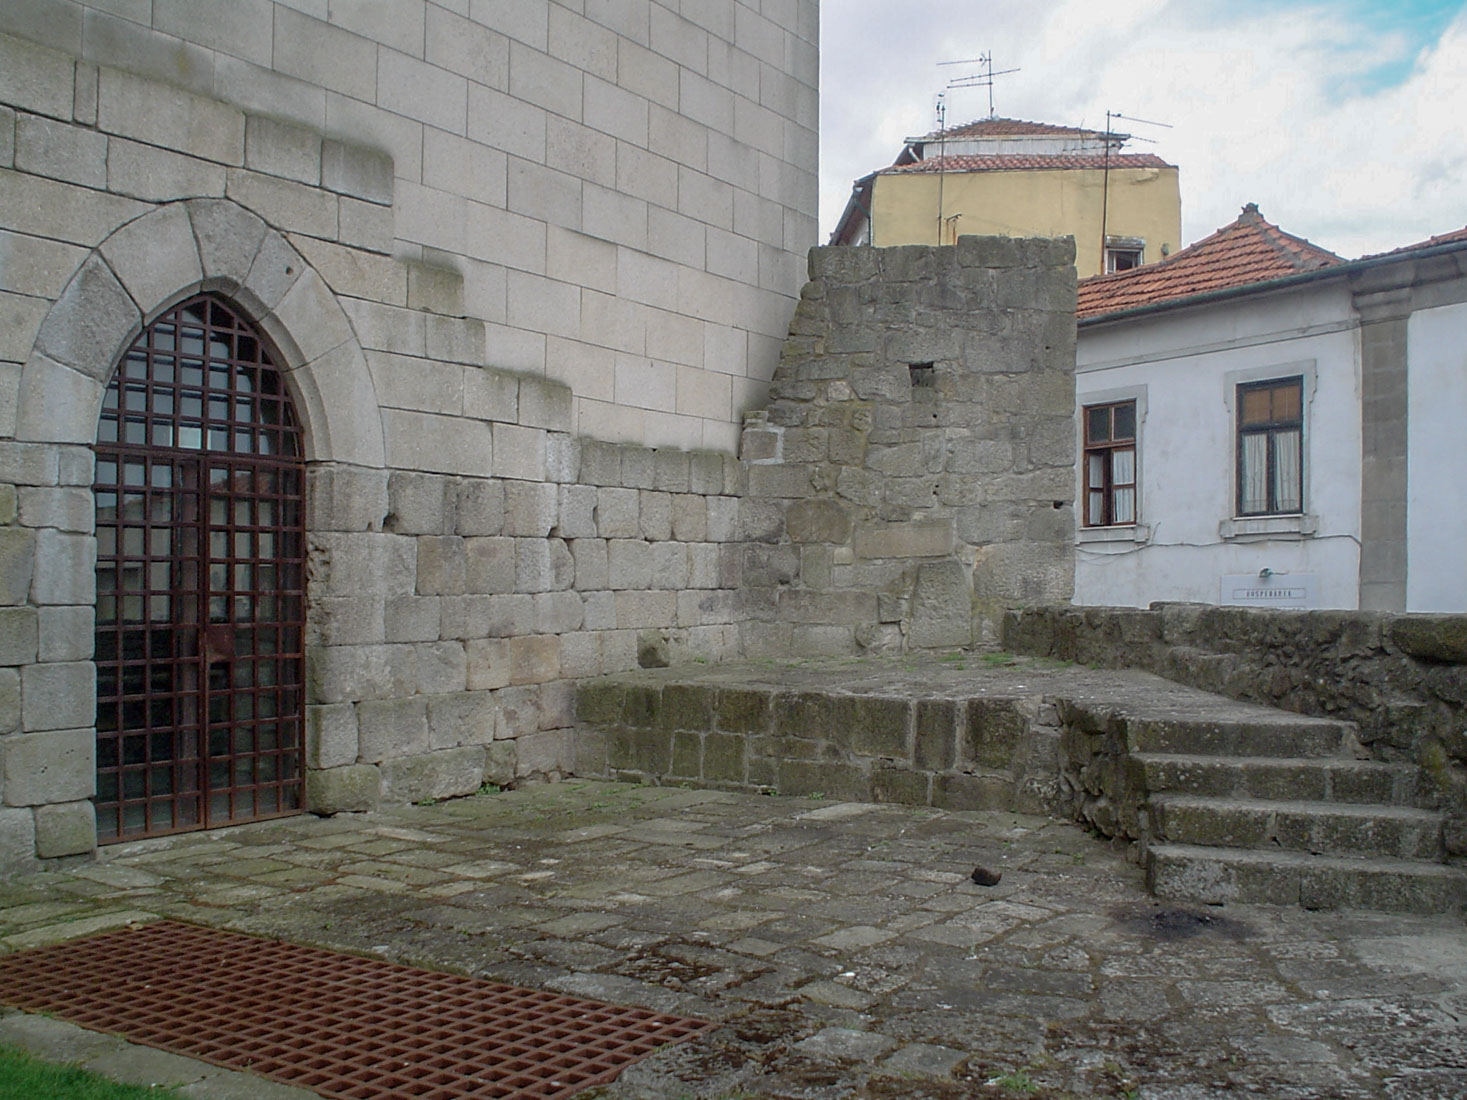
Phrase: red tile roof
(1014,127)
(1249,250)
(1450,237)
(1015,162)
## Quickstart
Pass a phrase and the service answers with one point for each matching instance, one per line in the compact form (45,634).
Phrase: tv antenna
(981,79)
(1109,133)
(1110,140)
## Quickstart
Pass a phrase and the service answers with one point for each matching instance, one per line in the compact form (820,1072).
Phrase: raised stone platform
(1222,800)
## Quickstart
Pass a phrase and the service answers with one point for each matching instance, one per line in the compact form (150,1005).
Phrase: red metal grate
(344,1026)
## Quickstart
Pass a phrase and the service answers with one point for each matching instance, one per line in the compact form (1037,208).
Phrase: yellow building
(1023,179)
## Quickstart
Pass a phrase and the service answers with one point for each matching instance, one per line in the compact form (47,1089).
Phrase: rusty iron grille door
(200,581)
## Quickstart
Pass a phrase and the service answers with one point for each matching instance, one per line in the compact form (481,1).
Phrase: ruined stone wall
(914,473)
(1401,678)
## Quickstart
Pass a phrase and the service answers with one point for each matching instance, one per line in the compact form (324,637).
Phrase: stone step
(1218,876)
(1289,735)
(1326,779)
(1321,828)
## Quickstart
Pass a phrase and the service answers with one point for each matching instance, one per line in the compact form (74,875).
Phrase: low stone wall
(1402,679)
(744,730)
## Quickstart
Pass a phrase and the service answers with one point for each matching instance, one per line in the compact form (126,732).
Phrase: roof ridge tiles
(998,126)
(1250,249)
(1009,162)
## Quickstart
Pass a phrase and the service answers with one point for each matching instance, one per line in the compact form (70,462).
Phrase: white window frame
(1116,247)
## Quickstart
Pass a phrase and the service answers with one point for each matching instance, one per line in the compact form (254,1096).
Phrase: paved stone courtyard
(842,946)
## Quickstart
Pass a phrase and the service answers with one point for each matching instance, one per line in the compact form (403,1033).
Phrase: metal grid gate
(200,581)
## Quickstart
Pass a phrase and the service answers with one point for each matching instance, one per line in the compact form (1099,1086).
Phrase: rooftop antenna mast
(941,153)
(1110,140)
(981,79)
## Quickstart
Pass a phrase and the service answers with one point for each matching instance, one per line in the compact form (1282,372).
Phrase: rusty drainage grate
(344,1026)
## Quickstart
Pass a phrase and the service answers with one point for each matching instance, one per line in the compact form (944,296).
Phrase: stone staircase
(1225,801)
(1275,808)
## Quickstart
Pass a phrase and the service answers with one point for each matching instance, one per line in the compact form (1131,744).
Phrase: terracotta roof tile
(1450,237)
(1016,162)
(1014,127)
(1249,250)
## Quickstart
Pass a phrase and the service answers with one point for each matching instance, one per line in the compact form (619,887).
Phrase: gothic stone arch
(142,269)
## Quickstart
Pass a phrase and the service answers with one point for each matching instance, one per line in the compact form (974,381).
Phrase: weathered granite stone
(354,788)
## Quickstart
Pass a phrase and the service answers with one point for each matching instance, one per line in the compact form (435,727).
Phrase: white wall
(1187,363)
(1436,503)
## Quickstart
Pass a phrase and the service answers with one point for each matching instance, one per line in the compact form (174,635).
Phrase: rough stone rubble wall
(1402,679)
(914,473)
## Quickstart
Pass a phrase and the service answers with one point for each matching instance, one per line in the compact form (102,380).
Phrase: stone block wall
(761,729)
(1402,679)
(449,615)
(472,544)
(627,189)
(914,474)
(522,268)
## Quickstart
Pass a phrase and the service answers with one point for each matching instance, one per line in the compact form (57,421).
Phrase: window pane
(1095,513)
(1097,424)
(1256,406)
(1253,477)
(1095,478)
(1287,401)
(1288,483)
(1123,467)
(1125,421)
(1125,506)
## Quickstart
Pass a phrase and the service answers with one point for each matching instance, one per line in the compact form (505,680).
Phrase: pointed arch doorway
(199,491)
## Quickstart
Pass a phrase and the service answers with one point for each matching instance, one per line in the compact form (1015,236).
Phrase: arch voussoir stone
(92,320)
(228,238)
(155,258)
(175,251)
(56,404)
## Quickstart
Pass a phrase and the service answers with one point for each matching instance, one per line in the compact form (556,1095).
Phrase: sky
(1345,120)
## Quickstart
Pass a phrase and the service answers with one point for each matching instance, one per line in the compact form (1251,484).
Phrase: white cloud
(1276,104)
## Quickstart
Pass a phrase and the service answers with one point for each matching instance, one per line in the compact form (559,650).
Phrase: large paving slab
(843,946)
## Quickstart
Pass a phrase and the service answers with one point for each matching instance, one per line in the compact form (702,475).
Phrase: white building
(1264,423)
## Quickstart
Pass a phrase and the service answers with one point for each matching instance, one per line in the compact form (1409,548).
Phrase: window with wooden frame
(1110,464)
(1271,447)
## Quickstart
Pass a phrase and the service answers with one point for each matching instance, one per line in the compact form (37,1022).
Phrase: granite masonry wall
(523,267)
(914,473)
(627,188)
(1402,679)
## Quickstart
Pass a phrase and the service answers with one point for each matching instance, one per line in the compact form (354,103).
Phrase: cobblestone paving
(842,946)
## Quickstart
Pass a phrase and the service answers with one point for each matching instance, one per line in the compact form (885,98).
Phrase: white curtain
(1123,472)
(1253,477)
(1095,482)
(1288,484)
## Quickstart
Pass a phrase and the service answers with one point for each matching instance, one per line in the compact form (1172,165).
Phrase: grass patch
(24,1077)
(1018,1082)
